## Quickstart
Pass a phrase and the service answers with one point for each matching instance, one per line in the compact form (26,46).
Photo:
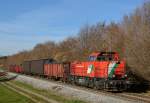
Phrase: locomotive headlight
(125,75)
(113,76)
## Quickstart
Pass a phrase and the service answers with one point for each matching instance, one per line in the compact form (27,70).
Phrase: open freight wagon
(35,67)
(57,71)
(16,68)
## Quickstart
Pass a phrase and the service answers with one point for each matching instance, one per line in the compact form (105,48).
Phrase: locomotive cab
(115,69)
(104,56)
(115,66)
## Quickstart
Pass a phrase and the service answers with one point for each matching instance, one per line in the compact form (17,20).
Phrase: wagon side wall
(26,67)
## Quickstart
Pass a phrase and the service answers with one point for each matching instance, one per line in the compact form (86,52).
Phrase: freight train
(102,70)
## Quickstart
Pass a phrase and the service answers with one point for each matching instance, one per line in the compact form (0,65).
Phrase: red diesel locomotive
(102,70)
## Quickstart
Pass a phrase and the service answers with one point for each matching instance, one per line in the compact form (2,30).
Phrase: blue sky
(24,23)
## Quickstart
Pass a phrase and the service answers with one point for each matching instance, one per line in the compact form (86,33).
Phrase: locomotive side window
(92,58)
(105,57)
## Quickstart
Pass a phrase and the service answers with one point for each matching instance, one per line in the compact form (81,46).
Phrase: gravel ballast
(70,91)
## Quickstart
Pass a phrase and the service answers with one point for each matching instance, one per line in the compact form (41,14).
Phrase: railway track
(22,93)
(34,97)
(135,97)
(125,96)
(139,98)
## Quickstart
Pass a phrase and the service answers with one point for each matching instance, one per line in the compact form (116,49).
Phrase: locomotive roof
(98,53)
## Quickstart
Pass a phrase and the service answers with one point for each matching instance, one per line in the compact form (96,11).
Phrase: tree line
(130,37)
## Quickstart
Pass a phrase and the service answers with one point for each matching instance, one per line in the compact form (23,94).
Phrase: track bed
(81,93)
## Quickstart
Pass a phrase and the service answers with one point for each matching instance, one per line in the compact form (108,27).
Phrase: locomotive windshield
(101,58)
(105,57)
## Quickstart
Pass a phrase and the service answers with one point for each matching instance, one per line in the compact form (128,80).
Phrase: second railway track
(36,98)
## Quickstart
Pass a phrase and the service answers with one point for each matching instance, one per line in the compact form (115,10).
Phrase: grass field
(8,96)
